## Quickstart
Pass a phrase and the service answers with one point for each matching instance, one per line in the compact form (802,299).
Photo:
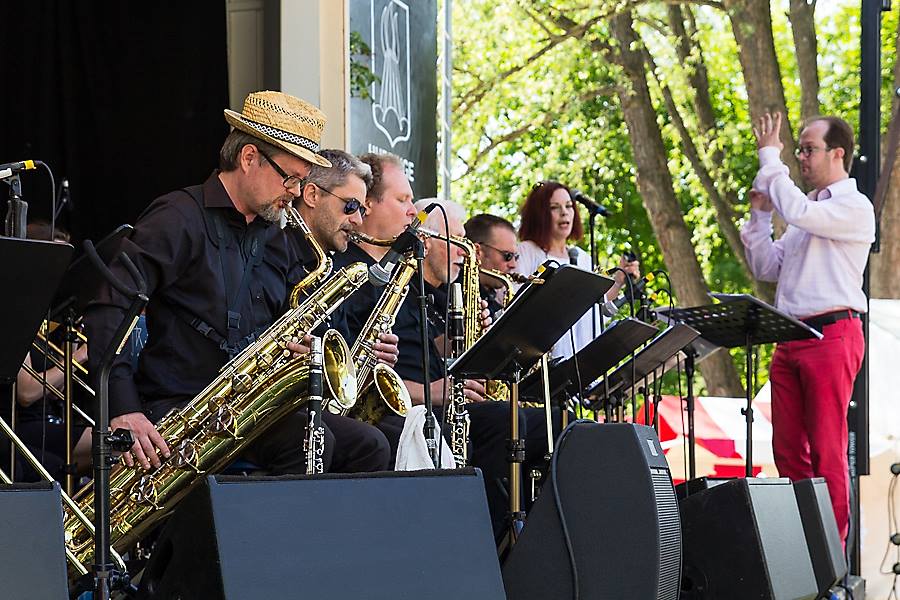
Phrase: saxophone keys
(144,492)
(185,456)
(241,383)
(265,361)
(221,421)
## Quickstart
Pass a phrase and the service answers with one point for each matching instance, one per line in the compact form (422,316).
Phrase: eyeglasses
(505,254)
(288,181)
(808,150)
(351,205)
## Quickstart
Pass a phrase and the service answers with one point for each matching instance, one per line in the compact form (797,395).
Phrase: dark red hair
(536,223)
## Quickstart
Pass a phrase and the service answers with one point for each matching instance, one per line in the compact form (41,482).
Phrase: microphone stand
(16,217)
(690,355)
(106,578)
(592,225)
(428,430)
(17,209)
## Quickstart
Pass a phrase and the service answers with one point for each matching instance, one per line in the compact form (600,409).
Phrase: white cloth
(412,450)
(531,256)
(819,261)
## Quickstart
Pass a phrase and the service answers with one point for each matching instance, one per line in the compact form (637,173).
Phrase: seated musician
(495,244)
(550,220)
(332,205)
(219,270)
(389,211)
(38,419)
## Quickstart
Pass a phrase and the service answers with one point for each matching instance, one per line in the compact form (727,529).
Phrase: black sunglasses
(351,205)
(505,254)
(288,181)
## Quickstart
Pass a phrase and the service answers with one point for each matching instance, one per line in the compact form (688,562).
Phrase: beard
(271,211)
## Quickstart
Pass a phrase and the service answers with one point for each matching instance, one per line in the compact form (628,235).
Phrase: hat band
(282,135)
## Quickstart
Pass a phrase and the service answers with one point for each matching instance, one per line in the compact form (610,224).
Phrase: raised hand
(768,131)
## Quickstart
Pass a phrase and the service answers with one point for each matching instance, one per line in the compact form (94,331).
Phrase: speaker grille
(669,535)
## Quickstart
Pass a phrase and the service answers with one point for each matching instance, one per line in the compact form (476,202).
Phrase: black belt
(820,321)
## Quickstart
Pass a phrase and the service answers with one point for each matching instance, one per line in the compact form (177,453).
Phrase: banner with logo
(399,113)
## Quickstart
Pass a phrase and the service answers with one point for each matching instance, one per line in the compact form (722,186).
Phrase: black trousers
(350,445)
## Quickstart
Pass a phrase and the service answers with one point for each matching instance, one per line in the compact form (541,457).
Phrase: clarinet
(457,415)
(314,442)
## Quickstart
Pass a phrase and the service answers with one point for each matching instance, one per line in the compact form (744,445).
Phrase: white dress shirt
(531,256)
(819,261)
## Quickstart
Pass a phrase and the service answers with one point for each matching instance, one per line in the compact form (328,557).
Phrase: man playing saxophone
(495,243)
(332,205)
(219,270)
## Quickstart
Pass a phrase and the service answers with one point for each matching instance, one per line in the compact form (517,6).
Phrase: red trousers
(812,381)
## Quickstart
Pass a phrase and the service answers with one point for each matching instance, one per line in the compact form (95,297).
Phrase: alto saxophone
(468,277)
(263,383)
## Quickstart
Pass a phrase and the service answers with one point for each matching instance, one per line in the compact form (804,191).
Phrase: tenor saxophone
(263,383)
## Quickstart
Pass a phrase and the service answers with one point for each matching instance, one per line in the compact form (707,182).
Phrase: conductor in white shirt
(818,264)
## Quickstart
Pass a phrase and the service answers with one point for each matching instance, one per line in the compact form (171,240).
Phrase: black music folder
(604,352)
(30,273)
(532,323)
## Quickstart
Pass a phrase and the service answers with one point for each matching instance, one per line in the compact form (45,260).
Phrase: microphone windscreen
(379,276)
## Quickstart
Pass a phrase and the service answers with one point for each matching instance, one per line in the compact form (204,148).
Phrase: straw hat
(290,123)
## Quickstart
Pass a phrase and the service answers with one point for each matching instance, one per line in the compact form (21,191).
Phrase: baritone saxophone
(263,383)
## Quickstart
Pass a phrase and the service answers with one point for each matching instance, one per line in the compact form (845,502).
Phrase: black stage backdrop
(123,99)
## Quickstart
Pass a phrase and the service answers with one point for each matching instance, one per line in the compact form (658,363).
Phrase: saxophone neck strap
(251,250)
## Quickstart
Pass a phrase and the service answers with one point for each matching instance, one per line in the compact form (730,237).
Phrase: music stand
(694,353)
(31,272)
(518,339)
(604,352)
(742,320)
(79,286)
(623,380)
(82,280)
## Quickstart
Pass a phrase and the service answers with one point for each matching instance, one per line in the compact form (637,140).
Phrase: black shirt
(407,327)
(176,247)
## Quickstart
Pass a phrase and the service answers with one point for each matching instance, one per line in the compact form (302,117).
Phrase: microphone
(380,272)
(573,255)
(7,169)
(635,290)
(591,204)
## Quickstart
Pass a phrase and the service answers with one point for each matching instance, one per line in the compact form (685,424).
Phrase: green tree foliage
(531,103)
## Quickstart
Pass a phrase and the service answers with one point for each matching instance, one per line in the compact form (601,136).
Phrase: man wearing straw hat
(219,271)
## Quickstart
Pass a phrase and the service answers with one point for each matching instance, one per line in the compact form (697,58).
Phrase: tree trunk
(655,186)
(724,201)
(803,26)
(724,211)
(883,266)
(751,22)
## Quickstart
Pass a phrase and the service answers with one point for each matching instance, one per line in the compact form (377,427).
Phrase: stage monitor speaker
(692,486)
(825,549)
(420,534)
(32,546)
(744,539)
(616,494)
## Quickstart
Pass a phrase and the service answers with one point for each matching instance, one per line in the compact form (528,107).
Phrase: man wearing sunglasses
(818,264)
(496,246)
(219,271)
